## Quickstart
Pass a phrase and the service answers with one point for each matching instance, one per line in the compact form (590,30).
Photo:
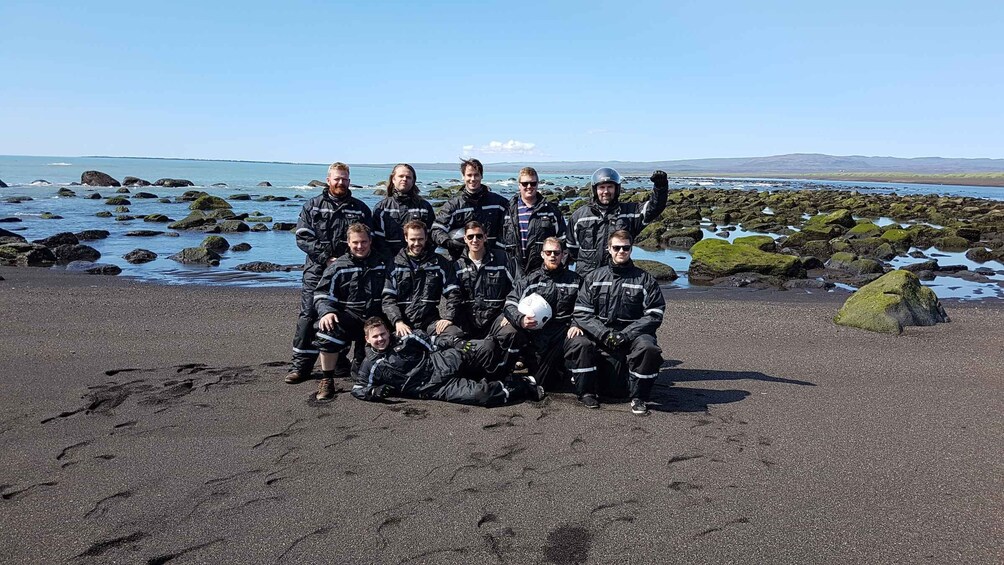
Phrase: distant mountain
(782,164)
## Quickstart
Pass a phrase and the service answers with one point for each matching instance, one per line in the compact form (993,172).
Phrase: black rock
(219,184)
(24,254)
(140,256)
(233,226)
(123,190)
(244,246)
(143,233)
(317,184)
(118,201)
(197,256)
(70,253)
(89,235)
(40,182)
(9,220)
(93,268)
(264,183)
(97,178)
(283,226)
(65,193)
(61,238)
(135,181)
(10,237)
(173,183)
(3,184)
(144,195)
(239,197)
(17,199)
(94,196)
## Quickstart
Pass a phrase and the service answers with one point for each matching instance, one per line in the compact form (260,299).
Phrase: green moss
(208,202)
(718,258)
(951,243)
(890,302)
(898,237)
(761,242)
(842,217)
(865,229)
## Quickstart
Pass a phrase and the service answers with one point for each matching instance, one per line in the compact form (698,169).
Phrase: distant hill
(795,163)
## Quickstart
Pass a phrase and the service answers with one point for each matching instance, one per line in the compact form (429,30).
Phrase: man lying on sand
(412,367)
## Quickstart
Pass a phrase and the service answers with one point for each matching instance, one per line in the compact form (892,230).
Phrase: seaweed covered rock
(889,303)
(139,256)
(97,178)
(26,255)
(659,270)
(192,221)
(761,242)
(208,202)
(715,258)
(216,243)
(173,183)
(196,256)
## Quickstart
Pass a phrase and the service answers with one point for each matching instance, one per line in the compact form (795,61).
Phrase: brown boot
(325,389)
(294,377)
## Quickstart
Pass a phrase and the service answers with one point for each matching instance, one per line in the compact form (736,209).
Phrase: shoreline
(148,421)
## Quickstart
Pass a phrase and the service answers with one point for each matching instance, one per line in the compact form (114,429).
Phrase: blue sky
(378,82)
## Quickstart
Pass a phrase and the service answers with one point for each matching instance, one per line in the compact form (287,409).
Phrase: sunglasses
(551,252)
(475,236)
(528,184)
(619,248)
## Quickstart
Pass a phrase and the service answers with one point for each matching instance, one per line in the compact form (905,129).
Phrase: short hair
(554,240)
(620,234)
(358,227)
(414,225)
(472,162)
(529,172)
(338,166)
(374,322)
(473,224)
(414,178)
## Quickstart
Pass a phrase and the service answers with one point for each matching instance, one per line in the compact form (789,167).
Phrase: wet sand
(149,424)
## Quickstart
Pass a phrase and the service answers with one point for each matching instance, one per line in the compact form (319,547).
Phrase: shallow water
(290,180)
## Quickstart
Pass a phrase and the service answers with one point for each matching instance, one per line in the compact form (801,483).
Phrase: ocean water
(290,180)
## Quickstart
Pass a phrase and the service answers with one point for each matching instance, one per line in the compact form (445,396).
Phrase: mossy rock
(215,243)
(883,252)
(159,218)
(714,258)
(239,197)
(825,231)
(442,193)
(842,217)
(841,260)
(979,255)
(208,202)
(192,221)
(50,216)
(253,219)
(819,248)
(233,226)
(65,193)
(968,233)
(865,229)
(761,242)
(197,256)
(221,214)
(660,271)
(118,201)
(889,303)
(951,243)
(898,237)
(864,266)
(104,214)
(121,209)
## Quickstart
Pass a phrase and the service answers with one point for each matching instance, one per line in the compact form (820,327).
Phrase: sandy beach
(149,424)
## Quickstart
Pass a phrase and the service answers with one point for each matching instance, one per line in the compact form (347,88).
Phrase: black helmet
(606,174)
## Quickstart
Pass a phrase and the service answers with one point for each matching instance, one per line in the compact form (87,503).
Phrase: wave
(59,164)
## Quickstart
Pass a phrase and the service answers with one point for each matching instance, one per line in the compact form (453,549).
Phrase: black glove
(660,179)
(613,339)
(380,391)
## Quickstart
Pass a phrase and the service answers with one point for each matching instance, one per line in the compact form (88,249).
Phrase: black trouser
(347,333)
(499,364)
(547,357)
(304,352)
(466,387)
(594,366)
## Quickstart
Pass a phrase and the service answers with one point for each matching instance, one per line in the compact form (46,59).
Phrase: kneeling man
(619,308)
(412,367)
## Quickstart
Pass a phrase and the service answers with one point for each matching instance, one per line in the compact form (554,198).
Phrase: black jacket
(485,206)
(412,367)
(590,226)
(558,287)
(320,229)
(393,212)
(545,221)
(351,284)
(482,291)
(623,298)
(413,289)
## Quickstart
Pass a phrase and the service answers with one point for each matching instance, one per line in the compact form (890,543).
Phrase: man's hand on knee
(327,322)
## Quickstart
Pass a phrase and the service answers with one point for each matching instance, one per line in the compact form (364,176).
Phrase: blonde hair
(338,166)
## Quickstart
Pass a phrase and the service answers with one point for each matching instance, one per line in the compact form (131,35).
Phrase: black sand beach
(149,424)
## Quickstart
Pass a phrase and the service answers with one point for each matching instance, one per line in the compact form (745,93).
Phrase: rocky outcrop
(659,270)
(3,184)
(889,303)
(208,202)
(135,181)
(70,253)
(196,256)
(65,193)
(263,267)
(243,246)
(61,238)
(97,178)
(715,258)
(216,243)
(26,255)
(192,221)
(173,183)
(139,256)
(10,237)
(264,183)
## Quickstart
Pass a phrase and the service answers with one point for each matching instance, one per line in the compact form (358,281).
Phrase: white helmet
(458,234)
(534,305)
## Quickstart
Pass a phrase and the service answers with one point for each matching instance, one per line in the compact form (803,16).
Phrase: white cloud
(503,147)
